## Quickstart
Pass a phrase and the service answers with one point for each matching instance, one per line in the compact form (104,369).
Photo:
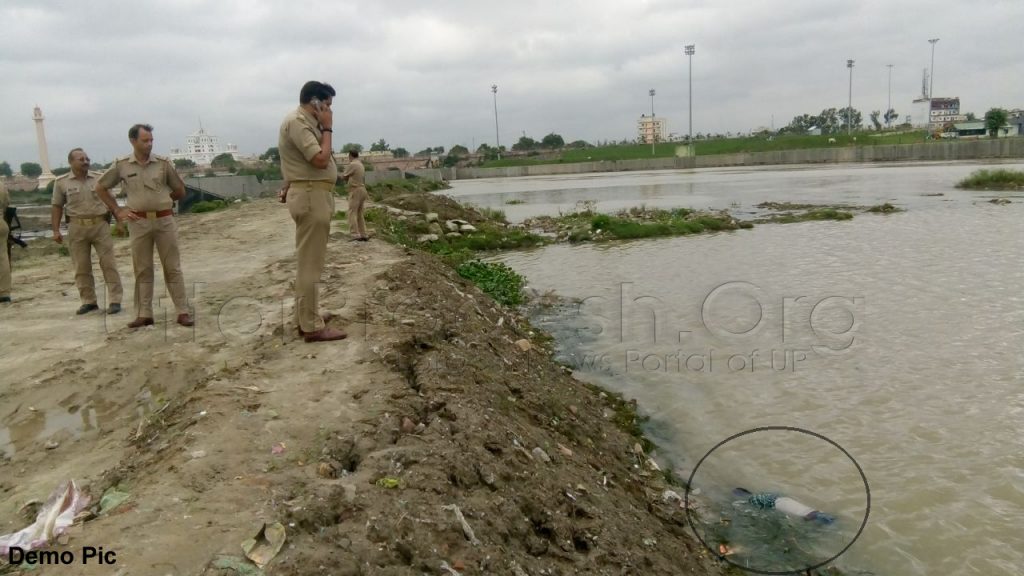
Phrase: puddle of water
(28,427)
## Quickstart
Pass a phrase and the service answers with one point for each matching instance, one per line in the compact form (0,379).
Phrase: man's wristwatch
(326,130)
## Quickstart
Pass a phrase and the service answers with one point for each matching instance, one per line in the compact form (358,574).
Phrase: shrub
(208,206)
(497,280)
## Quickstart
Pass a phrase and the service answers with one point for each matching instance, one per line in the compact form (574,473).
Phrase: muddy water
(889,345)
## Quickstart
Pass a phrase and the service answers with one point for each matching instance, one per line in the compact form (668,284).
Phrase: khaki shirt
(79,196)
(354,174)
(147,186)
(5,198)
(298,142)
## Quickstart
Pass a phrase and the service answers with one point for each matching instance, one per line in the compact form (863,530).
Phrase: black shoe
(114,308)
(86,308)
(5,299)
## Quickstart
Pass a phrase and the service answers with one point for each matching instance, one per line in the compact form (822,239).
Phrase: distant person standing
(353,177)
(5,260)
(307,162)
(151,185)
(88,228)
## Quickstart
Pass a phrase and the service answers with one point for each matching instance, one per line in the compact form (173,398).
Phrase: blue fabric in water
(764,500)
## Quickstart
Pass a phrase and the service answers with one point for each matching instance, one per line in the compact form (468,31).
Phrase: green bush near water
(208,206)
(657,223)
(497,280)
(993,180)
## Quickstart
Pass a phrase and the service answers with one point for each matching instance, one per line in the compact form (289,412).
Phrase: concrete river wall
(924,151)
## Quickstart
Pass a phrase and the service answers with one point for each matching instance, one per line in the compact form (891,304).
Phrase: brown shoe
(185,319)
(326,317)
(327,334)
(140,322)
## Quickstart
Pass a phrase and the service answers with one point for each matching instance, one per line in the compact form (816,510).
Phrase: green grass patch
(786,206)
(514,202)
(37,196)
(208,206)
(382,190)
(492,214)
(993,180)
(819,214)
(884,209)
(497,280)
(715,146)
(343,216)
(644,223)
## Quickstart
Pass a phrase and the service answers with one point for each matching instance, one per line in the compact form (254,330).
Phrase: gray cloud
(419,74)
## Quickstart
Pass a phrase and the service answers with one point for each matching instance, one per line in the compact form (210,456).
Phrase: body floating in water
(769,501)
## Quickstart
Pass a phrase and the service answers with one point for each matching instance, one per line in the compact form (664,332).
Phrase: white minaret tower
(44,153)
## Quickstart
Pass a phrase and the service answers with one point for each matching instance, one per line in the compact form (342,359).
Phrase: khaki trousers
(162,233)
(356,201)
(5,263)
(311,205)
(81,239)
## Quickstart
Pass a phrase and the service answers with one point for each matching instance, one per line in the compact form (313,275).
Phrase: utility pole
(931,82)
(889,105)
(653,125)
(497,140)
(690,49)
(849,105)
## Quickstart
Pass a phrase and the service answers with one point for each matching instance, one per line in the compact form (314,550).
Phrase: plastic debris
(466,528)
(111,499)
(266,545)
(53,519)
(388,482)
(451,571)
(278,448)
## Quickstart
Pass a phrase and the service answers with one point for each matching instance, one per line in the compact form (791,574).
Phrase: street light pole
(653,138)
(931,77)
(690,49)
(889,105)
(849,105)
(497,140)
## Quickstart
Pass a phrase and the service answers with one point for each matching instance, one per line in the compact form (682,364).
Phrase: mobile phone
(316,104)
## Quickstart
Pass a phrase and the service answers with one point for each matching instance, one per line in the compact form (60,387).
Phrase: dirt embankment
(356,447)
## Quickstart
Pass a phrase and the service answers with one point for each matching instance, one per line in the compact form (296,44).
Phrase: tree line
(837,120)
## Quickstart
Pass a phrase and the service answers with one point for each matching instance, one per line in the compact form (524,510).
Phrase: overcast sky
(419,73)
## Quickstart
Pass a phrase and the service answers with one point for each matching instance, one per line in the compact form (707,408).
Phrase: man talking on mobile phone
(307,162)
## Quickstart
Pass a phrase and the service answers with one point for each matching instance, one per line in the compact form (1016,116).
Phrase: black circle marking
(863,477)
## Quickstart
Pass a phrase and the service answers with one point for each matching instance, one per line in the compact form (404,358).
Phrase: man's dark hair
(133,132)
(353,153)
(72,152)
(314,89)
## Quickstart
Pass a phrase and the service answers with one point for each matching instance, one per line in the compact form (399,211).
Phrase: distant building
(651,129)
(1016,120)
(934,113)
(202,147)
(977,129)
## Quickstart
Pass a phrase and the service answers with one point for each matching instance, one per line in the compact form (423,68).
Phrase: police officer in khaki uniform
(5,262)
(151,185)
(89,227)
(354,176)
(307,162)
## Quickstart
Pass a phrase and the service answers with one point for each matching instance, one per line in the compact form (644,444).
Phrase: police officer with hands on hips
(88,228)
(151,185)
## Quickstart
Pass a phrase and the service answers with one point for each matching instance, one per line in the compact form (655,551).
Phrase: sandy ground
(428,389)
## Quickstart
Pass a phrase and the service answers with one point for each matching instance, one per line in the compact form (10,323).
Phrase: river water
(882,355)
